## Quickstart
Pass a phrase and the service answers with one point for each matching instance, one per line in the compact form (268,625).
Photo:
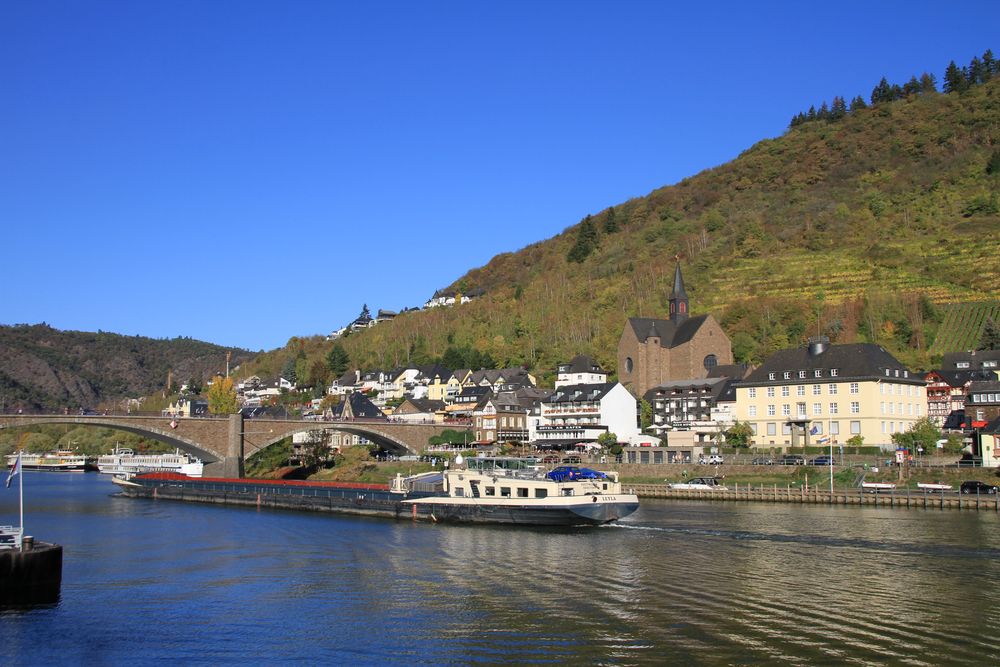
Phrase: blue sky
(244,172)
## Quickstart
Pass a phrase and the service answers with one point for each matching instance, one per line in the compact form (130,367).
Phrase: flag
(16,470)
(824,440)
(814,430)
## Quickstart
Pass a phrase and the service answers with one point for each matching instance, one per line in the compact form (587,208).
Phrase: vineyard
(963,325)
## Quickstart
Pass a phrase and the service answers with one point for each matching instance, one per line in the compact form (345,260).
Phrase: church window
(628,364)
(711,361)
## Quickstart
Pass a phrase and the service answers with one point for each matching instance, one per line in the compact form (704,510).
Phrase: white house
(581,413)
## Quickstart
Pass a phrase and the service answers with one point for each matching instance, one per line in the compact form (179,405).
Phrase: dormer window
(887,372)
(962,364)
(771,376)
(787,375)
(834,372)
(802,374)
(817,373)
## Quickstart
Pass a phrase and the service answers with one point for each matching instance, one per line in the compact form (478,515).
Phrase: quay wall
(32,576)
(817,496)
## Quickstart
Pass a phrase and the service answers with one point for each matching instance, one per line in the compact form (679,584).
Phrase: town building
(946,394)
(975,360)
(419,411)
(577,414)
(499,418)
(830,391)
(580,370)
(982,403)
(653,351)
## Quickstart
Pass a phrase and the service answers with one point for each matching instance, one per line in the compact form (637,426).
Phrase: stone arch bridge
(224,443)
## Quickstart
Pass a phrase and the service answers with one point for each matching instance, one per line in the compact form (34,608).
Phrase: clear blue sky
(243,172)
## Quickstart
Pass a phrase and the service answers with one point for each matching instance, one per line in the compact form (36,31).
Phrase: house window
(989,364)
(817,409)
(832,389)
(855,408)
(817,389)
(753,410)
(855,428)
(710,362)
(784,390)
(770,410)
(787,375)
(962,364)
(786,410)
(817,373)
(833,408)
(802,374)
(753,428)
(854,388)
(770,392)
(800,409)
(772,428)
(834,428)
(800,390)
(770,376)
(833,372)
(752,392)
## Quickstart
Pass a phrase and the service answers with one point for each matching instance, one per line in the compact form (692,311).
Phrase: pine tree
(911,87)
(337,360)
(954,79)
(858,103)
(881,93)
(991,336)
(839,108)
(989,64)
(586,241)
(611,221)
(976,74)
(928,84)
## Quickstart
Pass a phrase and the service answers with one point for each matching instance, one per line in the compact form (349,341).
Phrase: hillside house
(581,369)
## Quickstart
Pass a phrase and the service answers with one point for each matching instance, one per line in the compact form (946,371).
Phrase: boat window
(459,491)
(567,492)
(490,490)
(505,491)
(605,486)
(541,493)
(522,492)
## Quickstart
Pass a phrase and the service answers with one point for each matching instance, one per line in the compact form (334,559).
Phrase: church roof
(679,292)
(670,333)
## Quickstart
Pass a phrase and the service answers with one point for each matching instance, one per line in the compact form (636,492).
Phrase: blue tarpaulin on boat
(566,473)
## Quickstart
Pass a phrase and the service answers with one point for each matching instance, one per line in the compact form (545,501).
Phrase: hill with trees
(863,221)
(42,368)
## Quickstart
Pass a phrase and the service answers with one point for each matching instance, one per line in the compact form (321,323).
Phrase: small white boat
(126,463)
(874,487)
(923,486)
(699,484)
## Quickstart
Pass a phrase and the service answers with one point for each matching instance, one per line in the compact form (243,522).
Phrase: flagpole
(20,492)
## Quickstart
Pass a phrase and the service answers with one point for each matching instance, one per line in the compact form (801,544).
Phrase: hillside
(43,368)
(859,227)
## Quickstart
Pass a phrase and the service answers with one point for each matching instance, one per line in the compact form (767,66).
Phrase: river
(149,581)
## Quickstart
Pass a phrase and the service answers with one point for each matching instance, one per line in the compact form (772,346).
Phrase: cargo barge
(566,496)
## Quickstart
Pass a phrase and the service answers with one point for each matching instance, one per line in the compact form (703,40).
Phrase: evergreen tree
(288,371)
(881,93)
(811,115)
(895,92)
(839,108)
(989,64)
(586,241)
(611,221)
(991,336)
(824,112)
(858,103)
(976,74)
(911,87)
(928,84)
(337,360)
(954,79)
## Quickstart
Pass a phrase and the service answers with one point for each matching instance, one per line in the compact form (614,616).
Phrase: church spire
(679,298)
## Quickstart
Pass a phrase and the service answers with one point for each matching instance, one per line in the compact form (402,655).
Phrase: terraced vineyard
(963,326)
(962,270)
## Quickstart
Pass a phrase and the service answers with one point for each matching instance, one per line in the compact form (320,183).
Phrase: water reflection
(696,583)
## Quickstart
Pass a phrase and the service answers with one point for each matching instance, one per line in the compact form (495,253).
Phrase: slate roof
(670,333)
(580,393)
(357,405)
(718,386)
(959,378)
(855,361)
(425,404)
(734,371)
(581,363)
(975,359)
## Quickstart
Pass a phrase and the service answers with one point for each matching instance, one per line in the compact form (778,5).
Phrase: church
(653,351)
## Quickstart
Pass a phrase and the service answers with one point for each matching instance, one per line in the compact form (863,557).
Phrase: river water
(149,581)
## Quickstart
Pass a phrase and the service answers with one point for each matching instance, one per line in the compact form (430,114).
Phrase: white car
(711,459)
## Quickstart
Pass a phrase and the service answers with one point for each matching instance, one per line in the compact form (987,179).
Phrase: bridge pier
(232,465)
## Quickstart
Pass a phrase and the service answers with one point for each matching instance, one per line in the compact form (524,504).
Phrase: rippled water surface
(676,583)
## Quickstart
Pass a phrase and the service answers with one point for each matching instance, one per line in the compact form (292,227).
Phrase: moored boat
(567,496)
(58,461)
(126,463)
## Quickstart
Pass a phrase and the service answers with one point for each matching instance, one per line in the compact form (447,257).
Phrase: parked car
(977,487)
(791,460)
(824,460)
(711,459)
(762,461)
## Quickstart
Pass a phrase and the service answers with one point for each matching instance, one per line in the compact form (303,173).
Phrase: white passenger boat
(126,463)
(59,461)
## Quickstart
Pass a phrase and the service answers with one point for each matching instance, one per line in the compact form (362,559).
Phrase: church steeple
(679,298)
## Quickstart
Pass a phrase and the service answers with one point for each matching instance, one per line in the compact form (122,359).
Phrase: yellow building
(822,392)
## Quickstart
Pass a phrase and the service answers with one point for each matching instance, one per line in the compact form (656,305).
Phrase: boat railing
(10,537)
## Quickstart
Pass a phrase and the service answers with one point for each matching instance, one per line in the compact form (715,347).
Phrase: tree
(954,444)
(928,84)
(316,451)
(194,386)
(586,241)
(645,414)
(337,360)
(991,336)
(923,434)
(607,440)
(611,221)
(856,441)
(739,434)
(221,397)
(954,79)
(288,371)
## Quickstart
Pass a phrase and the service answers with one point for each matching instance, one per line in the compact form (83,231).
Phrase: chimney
(818,345)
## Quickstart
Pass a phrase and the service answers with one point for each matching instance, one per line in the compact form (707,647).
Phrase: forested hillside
(858,224)
(43,368)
